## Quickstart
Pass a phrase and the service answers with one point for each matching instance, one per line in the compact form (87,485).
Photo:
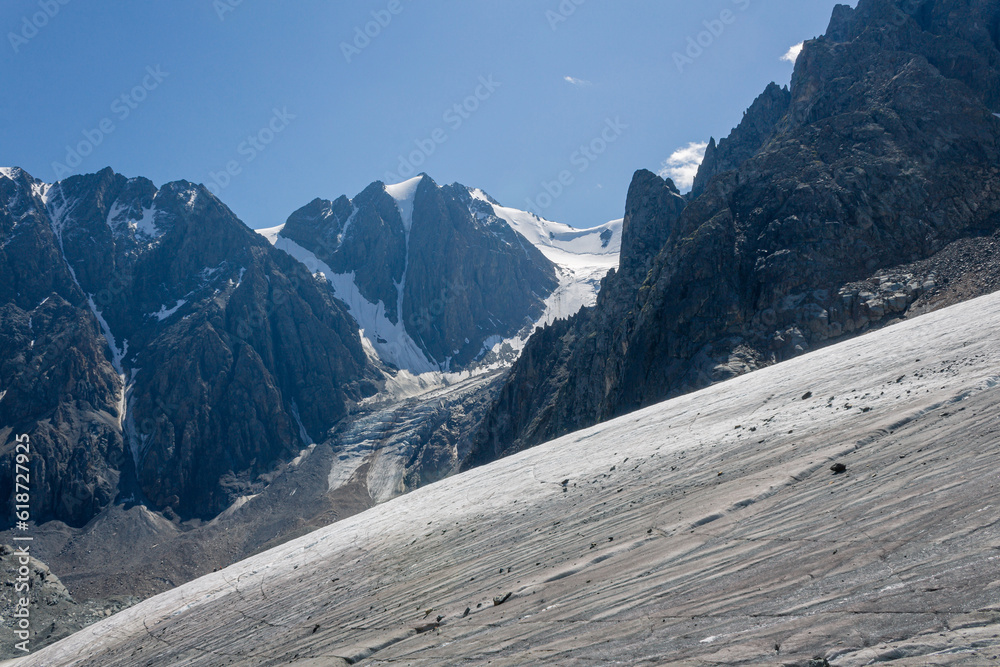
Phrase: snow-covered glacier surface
(708,529)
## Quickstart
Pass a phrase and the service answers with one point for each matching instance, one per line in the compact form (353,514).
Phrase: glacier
(705,529)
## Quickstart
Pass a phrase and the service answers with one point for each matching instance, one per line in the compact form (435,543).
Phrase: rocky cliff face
(541,398)
(888,154)
(759,124)
(439,264)
(157,350)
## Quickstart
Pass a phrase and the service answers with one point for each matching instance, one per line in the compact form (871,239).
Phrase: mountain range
(202,392)
(191,356)
(707,529)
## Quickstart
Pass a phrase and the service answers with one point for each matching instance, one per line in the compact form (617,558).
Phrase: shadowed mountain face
(885,152)
(759,124)
(437,260)
(157,350)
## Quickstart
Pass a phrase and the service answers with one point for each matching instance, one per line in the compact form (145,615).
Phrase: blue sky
(274,104)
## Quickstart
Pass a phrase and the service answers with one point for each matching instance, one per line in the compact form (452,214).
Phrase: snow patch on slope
(389,339)
(164,312)
(582,258)
(146,225)
(117,353)
(405,193)
(271,233)
(122,222)
(560,243)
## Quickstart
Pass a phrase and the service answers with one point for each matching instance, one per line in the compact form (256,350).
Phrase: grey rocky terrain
(53,611)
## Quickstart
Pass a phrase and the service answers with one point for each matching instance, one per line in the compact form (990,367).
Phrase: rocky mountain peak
(428,278)
(759,123)
(189,357)
(652,207)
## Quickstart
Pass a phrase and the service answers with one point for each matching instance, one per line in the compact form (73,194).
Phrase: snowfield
(582,258)
(708,529)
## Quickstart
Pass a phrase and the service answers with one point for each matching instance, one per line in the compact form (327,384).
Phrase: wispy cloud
(583,83)
(682,165)
(793,53)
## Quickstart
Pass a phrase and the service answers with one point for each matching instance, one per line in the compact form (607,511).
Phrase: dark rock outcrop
(759,124)
(540,400)
(365,235)
(888,154)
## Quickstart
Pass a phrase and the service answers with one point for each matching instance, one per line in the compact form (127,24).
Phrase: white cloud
(793,53)
(682,165)
(577,82)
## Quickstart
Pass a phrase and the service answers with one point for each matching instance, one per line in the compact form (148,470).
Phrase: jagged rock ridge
(888,154)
